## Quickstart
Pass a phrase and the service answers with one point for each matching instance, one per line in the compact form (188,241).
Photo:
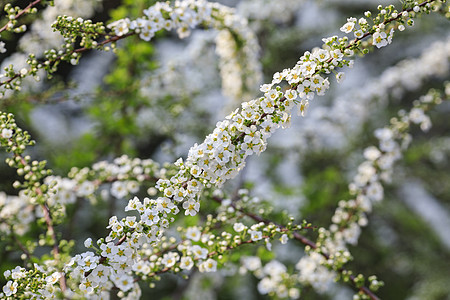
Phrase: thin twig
(22,12)
(21,246)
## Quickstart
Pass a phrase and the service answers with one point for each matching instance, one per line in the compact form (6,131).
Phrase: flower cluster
(46,280)
(327,127)
(382,34)
(274,277)
(16,214)
(367,189)
(239,61)
(199,247)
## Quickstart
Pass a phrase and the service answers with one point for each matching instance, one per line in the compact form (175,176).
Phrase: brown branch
(21,246)
(257,218)
(390,20)
(19,14)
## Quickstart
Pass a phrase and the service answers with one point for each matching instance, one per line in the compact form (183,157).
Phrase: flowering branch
(302,239)
(160,16)
(13,16)
(15,140)
(367,189)
(21,246)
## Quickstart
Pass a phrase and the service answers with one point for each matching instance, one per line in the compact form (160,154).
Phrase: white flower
(87,285)
(18,272)
(384,134)
(119,189)
(351,234)
(169,259)
(88,243)
(268,244)
(186,263)
(133,204)
(191,207)
(132,186)
(7,133)
(150,216)
(2,47)
(52,279)
(348,27)
(251,263)
(238,227)
(277,77)
(101,273)
(199,252)
(88,261)
(265,87)
(255,235)
(305,90)
(120,27)
(284,239)
(275,269)
(130,221)
(337,54)
(210,265)
(322,55)
(358,33)
(10,288)
(124,282)
(375,191)
(340,77)
(372,153)
(266,285)
(193,233)
(87,188)
(308,68)
(380,39)
(108,250)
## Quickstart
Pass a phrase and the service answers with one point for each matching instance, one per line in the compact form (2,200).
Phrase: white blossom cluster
(274,278)
(16,214)
(45,291)
(120,178)
(41,37)
(240,69)
(239,64)
(328,127)
(367,190)
(126,175)
(311,270)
